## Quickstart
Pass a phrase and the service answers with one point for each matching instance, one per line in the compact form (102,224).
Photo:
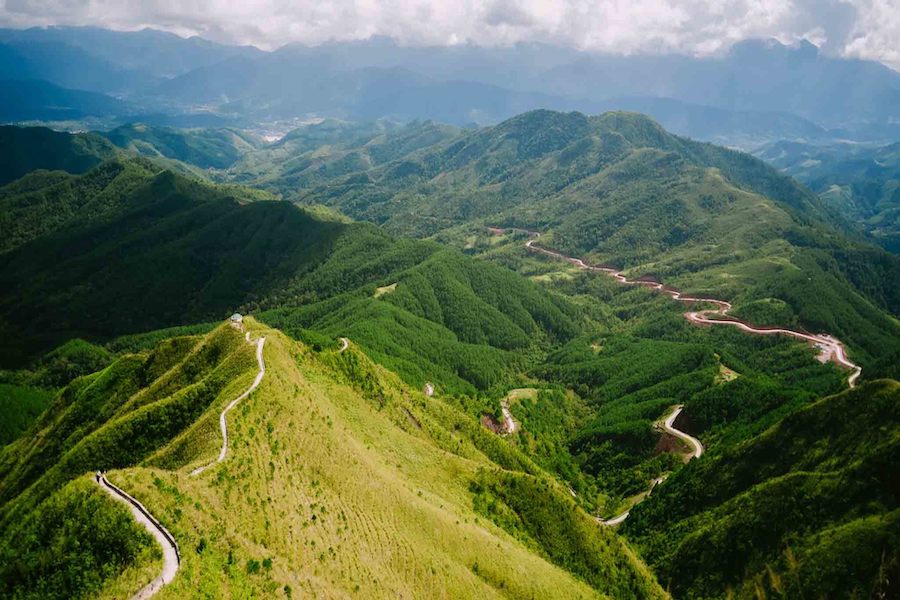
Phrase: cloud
(876,34)
(861,28)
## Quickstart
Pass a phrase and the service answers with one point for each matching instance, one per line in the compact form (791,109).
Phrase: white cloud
(863,28)
(876,34)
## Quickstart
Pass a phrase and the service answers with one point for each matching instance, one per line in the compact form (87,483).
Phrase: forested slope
(25,149)
(809,507)
(205,148)
(616,189)
(136,249)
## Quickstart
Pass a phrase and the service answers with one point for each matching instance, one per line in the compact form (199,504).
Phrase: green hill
(618,189)
(44,202)
(205,148)
(331,149)
(809,507)
(860,181)
(342,477)
(339,479)
(151,250)
(25,149)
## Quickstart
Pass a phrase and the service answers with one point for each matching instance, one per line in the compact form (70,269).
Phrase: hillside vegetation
(339,480)
(808,507)
(342,477)
(615,189)
(26,149)
(205,148)
(135,250)
(860,181)
(116,417)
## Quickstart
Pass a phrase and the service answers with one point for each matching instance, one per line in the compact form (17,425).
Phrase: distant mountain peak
(763,47)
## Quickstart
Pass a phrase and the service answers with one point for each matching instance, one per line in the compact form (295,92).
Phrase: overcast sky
(860,28)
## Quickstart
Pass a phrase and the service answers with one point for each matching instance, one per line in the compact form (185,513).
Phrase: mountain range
(758,91)
(433,384)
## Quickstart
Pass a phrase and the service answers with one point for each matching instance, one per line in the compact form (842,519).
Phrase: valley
(454,367)
(829,348)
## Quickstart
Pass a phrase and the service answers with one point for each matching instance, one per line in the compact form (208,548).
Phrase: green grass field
(339,481)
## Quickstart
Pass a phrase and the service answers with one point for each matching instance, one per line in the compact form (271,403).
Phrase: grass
(341,481)
(725,374)
(19,406)
(340,498)
(386,289)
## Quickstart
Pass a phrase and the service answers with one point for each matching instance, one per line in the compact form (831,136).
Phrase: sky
(858,28)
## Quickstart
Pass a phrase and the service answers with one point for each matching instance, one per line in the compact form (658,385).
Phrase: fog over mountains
(757,91)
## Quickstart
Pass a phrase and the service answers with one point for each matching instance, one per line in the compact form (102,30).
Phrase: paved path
(223,425)
(830,348)
(171,556)
(669,426)
(345,343)
(509,424)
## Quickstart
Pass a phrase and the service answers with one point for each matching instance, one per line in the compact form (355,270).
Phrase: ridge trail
(171,555)
(223,425)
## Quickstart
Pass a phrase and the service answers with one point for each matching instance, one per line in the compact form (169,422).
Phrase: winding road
(509,424)
(223,425)
(696,452)
(669,425)
(830,348)
(171,555)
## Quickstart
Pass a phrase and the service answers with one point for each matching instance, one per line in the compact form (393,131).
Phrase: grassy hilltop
(340,480)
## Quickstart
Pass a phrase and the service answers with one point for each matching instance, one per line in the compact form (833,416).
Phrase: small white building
(237,318)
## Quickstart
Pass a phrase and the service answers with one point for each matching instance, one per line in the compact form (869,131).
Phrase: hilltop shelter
(237,318)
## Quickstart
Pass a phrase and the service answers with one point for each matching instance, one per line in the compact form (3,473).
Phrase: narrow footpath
(223,424)
(171,555)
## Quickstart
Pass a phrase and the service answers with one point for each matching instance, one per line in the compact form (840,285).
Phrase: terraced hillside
(339,480)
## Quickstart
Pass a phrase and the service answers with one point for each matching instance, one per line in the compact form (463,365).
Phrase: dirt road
(830,348)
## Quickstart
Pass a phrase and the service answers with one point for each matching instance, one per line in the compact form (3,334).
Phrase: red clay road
(830,348)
